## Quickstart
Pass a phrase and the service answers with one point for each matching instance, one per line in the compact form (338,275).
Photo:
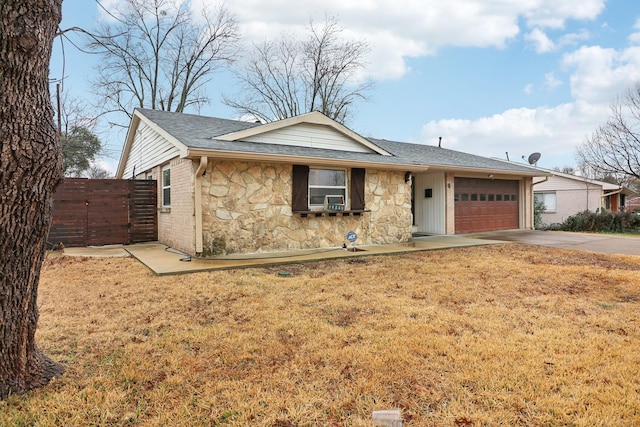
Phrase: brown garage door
(486,204)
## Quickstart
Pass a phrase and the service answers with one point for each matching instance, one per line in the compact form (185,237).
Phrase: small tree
(538,210)
(31,168)
(614,148)
(79,149)
(80,145)
(286,78)
(159,55)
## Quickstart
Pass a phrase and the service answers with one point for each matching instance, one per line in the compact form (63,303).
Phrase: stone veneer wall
(247,208)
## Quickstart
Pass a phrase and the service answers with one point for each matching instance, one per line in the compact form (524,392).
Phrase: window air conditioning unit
(334,202)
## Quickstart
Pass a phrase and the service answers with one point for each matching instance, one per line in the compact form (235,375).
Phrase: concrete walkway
(164,260)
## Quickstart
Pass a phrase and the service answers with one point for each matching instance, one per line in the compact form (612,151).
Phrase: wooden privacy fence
(92,212)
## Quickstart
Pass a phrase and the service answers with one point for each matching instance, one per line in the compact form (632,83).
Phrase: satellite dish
(533,158)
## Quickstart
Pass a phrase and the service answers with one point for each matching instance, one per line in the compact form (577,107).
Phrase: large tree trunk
(30,169)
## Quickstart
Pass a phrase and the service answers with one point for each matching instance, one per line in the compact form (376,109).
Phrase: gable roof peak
(313,118)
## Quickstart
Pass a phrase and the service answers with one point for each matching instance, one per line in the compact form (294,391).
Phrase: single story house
(228,186)
(564,195)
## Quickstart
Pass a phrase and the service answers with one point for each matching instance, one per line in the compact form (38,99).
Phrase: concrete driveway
(602,243)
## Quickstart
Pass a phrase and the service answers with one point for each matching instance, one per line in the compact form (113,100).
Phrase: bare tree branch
(286,78)
(159,55)
(80,144)
(614,148)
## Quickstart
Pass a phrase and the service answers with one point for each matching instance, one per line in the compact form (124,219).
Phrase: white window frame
(166,187)
(549,199)
(333,189)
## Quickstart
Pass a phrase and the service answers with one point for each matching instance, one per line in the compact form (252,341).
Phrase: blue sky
(489,76)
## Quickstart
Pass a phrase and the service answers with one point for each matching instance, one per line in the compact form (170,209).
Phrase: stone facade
(247,209)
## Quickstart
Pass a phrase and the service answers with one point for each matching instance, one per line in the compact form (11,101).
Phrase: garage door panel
(486,205)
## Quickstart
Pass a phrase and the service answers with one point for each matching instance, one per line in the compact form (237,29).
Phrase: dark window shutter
(300,201)
(357,189)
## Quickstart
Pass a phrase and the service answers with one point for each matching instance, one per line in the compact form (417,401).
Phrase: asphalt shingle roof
(437,156)
(200,132)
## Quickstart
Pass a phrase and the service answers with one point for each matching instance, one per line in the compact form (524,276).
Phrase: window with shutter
(326,182)
(311,185)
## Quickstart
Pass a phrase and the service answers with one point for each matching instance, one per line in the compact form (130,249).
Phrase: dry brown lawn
(506,335)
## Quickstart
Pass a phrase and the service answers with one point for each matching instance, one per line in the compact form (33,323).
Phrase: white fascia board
(475,170)
(312,161)
(126,149)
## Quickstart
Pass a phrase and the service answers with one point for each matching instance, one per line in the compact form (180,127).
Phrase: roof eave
(137,117)
(476,170)
(311,161)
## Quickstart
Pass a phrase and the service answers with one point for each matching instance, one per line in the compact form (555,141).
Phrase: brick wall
(176,225)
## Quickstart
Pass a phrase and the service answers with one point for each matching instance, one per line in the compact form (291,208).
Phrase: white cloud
(554,132)
(573,39)
(551,82)
(540,41)
(553,14)
(411,28)
(634,38)
(405,28)
(543,44)
(598,75)
(528,89)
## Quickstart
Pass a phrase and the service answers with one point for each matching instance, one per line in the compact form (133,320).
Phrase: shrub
(601,221)
(538,209)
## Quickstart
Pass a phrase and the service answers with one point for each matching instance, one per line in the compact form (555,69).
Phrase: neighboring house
(633,204)
(564,195)
(230,186)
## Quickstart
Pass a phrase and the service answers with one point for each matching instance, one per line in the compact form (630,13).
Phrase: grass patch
(499,335)
(635,234)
